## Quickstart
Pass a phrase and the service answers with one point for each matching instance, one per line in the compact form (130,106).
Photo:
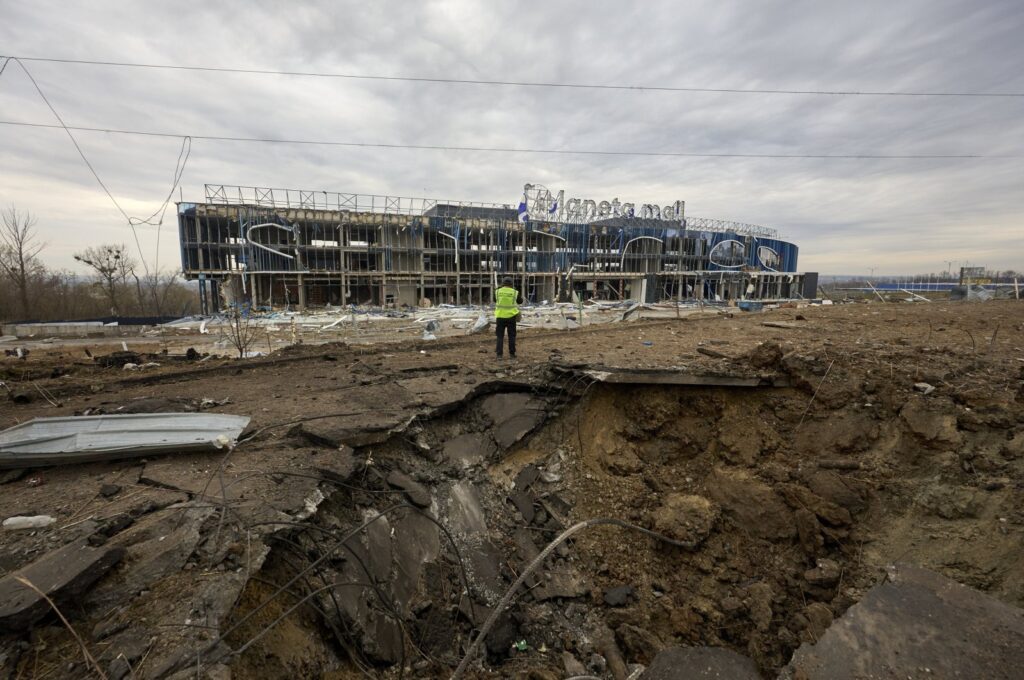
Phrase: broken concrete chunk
(825,575)
(562,581)
(61,574)
(465,514)
(467,450)
(155,549)
(698,663)
(514,415)
(921,624)
(524,504)
(416,492)
(109,490)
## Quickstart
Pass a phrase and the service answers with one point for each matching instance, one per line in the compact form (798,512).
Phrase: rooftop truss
(226,194)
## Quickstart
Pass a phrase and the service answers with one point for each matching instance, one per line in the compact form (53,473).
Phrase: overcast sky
(847,216)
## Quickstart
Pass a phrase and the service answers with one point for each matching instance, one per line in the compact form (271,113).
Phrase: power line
(179,169)
(521,83)
(491,149)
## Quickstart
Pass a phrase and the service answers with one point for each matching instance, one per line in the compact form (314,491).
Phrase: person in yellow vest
(506,314)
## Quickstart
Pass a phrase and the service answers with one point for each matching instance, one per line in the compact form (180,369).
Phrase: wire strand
(563,152)
(179,171)
(520,83)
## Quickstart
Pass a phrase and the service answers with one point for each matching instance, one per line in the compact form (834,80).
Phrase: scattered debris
(33,522)
(402,495)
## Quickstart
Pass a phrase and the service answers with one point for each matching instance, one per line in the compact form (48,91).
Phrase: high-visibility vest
(505,303)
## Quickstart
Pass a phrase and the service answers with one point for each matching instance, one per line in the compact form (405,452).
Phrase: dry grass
(89,659)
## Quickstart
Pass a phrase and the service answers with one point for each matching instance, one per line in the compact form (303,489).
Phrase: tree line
(114,286)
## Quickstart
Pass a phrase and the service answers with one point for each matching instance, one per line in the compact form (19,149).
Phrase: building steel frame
(299,247)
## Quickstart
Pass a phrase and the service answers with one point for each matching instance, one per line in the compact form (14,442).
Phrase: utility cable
(179,170)
(521,83)
(562,152)
(506,599)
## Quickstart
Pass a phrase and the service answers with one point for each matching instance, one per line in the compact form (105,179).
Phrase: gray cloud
(846,215)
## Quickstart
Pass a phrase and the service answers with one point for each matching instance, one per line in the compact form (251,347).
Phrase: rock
(819,618)
(918,625)
(686,518)
(123,651)
(572,665)
(800,497)
(414,491)
(639,644)
(759,603)
(605,642)
(62,575)
(751,503)
(700,663)
(499,641)
(619,458)
(809,531)
(846,493)
(109,490)
(825,575)
(562,580)
(618,596)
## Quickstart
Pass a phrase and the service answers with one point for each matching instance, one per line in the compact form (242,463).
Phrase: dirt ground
(880,433)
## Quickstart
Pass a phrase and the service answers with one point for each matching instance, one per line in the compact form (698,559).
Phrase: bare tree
(241,331)
(19,251)
(112,265)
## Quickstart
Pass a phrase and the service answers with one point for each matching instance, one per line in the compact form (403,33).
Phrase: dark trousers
(501,326)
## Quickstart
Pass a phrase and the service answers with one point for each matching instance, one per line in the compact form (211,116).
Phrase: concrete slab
(920,624)
(467,450)
(514,415)
(700,663)
(62,574)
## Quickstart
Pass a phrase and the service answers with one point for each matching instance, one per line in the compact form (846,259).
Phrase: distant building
(274,247)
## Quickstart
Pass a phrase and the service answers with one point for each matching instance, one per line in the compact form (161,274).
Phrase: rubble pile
(784,506)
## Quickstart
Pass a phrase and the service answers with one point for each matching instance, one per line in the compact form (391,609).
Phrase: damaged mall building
(282,247)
